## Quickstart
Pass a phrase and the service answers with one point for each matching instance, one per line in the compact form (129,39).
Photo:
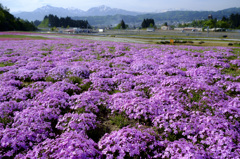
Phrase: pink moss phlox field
(72,98)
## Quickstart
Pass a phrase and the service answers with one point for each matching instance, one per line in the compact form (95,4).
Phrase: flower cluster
(77,122)
(79,98)
(68,145)
(131,142)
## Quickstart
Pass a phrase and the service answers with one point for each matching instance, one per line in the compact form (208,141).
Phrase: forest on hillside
(8,22)
(54,21)
(232,22)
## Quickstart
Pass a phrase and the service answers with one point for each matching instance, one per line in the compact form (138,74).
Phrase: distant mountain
(39,13)
(104,10)
(171,9)
(103,15)
(169,16)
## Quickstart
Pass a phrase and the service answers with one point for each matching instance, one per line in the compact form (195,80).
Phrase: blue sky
(132,5)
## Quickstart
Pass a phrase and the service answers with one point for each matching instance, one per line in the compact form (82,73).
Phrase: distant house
(166,28)
(100,30)
(216,29)
(192,29)
(77,30)
(150,29)
(210,16)
(69,31)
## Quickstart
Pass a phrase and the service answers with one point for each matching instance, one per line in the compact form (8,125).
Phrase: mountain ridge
(159,18)
(39,13)
(104,15)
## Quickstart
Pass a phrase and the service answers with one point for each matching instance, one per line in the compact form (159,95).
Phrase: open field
(19,37)
(85,96)
(173,34)
(158,37)
(141,36)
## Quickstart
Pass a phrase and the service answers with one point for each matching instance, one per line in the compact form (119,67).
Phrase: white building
(189,29)
(166,28)
(150,29)
(100,30)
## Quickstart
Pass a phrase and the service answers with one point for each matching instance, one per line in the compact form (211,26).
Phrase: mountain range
(171,17)
(102,10)
(106,16)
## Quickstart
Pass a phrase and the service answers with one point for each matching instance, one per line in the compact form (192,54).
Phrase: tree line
(9,23)
(54,21)
(148,23)
(145,24)
(232,22)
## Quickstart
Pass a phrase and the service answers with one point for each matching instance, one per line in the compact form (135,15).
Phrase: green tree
(209,23)
(148,23)
(144,24)
(54,21)
(223,24)
(121,25)
(224,19)
(8,22)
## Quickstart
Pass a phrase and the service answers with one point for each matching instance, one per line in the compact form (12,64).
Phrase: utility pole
(208,31)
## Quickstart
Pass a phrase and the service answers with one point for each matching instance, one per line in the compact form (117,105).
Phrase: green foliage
(44,23)
(121,25)
(86,86)
(233,93)
(113,92)
(147,92)
(119,120)
(6,64)
(54,21)
(173,137)
(223,24)
(97,133)
(75,80)
(54,29)
(8,22)
(232,22)
(232,70)
(194,96)
(22,37)
(212,23)
(148,23)
(50,79)
(6,120)
(112,49)
(183,69)
(37,22)
(111,64)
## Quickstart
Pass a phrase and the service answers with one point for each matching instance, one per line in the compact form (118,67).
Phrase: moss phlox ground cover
(72,98)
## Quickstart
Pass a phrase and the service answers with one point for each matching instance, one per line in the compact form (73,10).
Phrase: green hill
(44,23)
(8,22)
